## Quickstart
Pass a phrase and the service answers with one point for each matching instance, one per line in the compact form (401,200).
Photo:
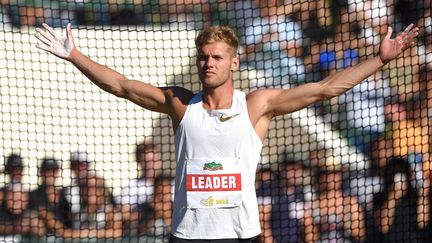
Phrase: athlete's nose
(210,62)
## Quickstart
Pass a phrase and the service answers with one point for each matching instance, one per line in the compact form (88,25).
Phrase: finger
(69,32)
(44,41)
(69,29)
(43,47)
(414,32)
(43,33)
(50,30)
(408,28)
(389,32)
(43,38)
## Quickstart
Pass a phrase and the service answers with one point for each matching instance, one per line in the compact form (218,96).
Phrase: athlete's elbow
(327,93)
(328,89)
(328,96)
(118,88)
(119,93)
(323,93)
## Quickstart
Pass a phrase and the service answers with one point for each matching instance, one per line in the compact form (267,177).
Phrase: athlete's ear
(235,64)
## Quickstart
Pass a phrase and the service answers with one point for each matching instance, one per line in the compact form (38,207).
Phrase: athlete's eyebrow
(205,55)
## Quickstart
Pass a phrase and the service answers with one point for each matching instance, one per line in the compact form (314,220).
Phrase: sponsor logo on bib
(209,202)
(213,166)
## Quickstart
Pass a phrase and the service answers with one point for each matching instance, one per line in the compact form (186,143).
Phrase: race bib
(213,183)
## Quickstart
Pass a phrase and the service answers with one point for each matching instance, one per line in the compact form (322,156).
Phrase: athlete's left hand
(391,48)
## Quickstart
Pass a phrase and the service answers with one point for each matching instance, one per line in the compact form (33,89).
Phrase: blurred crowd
(316,200)
(291,42)
(86,208)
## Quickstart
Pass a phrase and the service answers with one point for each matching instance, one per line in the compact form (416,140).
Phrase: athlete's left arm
(267,103)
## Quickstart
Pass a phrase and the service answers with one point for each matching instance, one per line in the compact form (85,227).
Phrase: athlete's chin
(208,83)
(211,85)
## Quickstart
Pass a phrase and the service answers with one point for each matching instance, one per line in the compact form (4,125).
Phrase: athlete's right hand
(53,42)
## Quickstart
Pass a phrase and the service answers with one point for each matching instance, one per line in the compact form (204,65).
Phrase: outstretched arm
(272,102)
(145,95)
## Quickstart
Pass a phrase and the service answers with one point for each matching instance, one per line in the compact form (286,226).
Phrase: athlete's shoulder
(260,95)
(178,94)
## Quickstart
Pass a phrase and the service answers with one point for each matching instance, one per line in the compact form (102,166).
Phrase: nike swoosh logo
(224,118)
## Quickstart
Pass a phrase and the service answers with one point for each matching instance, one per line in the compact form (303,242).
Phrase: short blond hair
(214,34)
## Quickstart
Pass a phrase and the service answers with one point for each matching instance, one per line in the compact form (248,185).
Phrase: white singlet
(217,153)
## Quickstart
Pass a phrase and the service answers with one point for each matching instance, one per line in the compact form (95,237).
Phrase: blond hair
(214,34)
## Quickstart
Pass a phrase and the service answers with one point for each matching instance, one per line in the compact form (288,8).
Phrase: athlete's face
(216,62)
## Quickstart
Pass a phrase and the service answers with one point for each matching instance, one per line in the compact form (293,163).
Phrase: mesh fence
(82,165)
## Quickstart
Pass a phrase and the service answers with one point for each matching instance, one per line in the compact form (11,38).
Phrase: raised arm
(145,95)
(264,104)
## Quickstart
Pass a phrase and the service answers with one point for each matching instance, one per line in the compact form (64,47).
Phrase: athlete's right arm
(145,95)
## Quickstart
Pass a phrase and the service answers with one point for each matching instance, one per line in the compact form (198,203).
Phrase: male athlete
(219,130)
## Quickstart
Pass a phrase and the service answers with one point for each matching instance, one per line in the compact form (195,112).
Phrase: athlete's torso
(217,152)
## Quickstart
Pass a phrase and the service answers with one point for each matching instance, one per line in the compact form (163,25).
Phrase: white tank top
(217,153)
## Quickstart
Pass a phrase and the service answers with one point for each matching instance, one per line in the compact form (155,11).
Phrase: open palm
(55,43)
(391,48)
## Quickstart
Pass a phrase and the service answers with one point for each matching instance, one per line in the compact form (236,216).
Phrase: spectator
(374,16)
(381,151)
(184,14)
(410,140)
(15,216)
(409,12)
(395,207)
(140,191)
(98,217)
(16,219)
(98,210)
(47,196)
(160,223)
(32,13)
(266,186)
(337,216)
(339,50)
(80,167)
(425,77)
(92,12)
(410,137)
(5,21)
(273,44)
(291,214)
(425,48)
(344,48)
(14,168)
(365,183)
(14,172)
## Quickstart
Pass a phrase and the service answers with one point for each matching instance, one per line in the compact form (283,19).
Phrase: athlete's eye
(203,57)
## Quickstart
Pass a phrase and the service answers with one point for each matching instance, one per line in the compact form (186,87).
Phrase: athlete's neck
(217,99)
